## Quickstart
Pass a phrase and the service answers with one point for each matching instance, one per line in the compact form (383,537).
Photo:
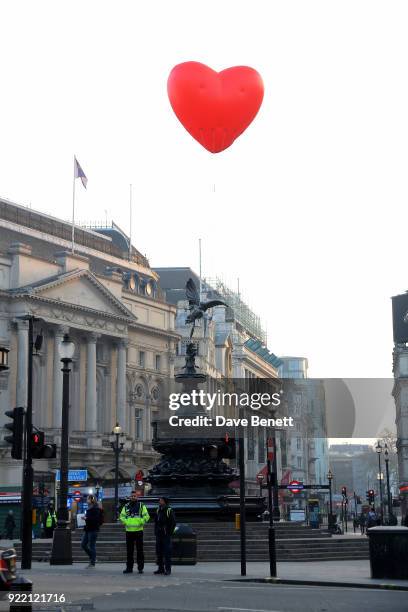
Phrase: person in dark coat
(9,525)
(164,527)
(93,520)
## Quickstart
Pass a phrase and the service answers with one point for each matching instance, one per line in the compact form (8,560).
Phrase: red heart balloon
(215,107)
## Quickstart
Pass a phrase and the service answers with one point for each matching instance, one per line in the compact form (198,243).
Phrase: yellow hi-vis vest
(134,522)
(50,517)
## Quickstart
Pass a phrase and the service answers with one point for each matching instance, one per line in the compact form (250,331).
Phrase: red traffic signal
(40,450)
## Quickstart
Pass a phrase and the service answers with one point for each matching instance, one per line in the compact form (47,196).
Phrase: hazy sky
(309,209)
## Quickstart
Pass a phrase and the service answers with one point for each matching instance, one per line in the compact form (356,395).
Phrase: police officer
(164,526)
(49,521)
(134,516)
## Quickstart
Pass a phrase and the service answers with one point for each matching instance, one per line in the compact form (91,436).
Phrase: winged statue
(196,307)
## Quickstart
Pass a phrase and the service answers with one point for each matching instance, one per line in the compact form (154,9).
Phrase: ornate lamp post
(378,450)
(117,449)
(61,546)
(4,358)
(330,521)
(387,458)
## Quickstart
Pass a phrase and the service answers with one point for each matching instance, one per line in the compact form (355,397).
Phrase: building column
(22,363)
(90,396)
(121,385)
(57,379)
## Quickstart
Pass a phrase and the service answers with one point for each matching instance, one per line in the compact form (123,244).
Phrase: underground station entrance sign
(295,486)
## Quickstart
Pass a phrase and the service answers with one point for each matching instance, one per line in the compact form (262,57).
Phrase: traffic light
(40,450)
(17,431)
(370,496)
(344,491)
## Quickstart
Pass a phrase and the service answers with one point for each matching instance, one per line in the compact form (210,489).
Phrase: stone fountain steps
(220,542)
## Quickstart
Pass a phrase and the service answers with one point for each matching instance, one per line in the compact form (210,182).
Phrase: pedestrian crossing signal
(40,450)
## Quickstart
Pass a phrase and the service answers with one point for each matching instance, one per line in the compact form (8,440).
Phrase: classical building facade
(108,299)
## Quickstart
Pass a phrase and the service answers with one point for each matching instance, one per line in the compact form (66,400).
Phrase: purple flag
(79,173)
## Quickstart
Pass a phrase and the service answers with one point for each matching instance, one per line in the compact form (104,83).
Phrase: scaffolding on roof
(242,313)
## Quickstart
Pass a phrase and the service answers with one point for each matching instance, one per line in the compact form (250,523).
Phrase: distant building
(305,451)
(355,467)
(400,391)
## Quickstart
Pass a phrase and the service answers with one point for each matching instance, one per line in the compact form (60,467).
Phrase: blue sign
(74,475)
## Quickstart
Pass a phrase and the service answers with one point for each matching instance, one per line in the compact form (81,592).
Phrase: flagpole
(130,222)
(199,264)
(73,210)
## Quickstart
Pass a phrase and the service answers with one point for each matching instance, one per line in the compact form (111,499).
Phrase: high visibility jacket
(134,516)
(51,516)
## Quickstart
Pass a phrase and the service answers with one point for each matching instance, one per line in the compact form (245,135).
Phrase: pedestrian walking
(9,525)
(363,522)
(404,521)
(49,521)
(134,516)
(372,518)
(93,521)
(164,526)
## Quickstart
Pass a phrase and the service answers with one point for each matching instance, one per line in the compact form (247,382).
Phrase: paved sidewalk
(80,584)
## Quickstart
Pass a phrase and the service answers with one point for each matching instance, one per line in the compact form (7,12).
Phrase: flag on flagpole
(79,173)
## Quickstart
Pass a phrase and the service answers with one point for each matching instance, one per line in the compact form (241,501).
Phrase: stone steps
(221,550)
(221,542)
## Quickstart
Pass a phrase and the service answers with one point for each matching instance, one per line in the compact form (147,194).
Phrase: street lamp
(387,458)
(378,450)
(4,358)
(117,449)
(331,518)
(270,480)
(61,553)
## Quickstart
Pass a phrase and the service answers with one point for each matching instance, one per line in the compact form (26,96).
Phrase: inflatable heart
(215,107)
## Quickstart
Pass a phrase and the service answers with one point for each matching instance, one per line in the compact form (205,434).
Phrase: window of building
(298,443)
(158,362)
(261,445)
(251,443)
(299,462)
(138,427)
(142,359)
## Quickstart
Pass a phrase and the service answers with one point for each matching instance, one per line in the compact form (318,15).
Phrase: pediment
(82,289)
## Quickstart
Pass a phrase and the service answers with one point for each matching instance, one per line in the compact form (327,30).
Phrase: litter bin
(184,545)
(388,552)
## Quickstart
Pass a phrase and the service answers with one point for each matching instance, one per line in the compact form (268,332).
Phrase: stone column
(90,396)
(121,385)
(22,363)
(57,379)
